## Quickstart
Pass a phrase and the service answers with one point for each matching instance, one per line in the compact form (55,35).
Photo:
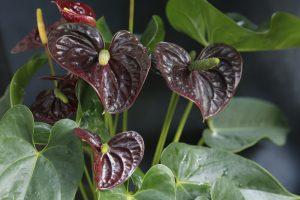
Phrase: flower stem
(131,16)
(116,121)
(87,175)
(165,128)
(52,71)
(83,192)
(109,123)
(183,120)
(125,121)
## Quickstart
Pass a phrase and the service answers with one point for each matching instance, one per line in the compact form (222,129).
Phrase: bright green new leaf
(23,76)
(25,173)
(89,112)
(4,102)
(103,28)
(243,123)
(206,24)
(200,165)
(154,33)
(158,183)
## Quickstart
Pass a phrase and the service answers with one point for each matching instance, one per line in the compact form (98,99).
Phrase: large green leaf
(25,173)
(154,33)
(158,183)
(243,123)
(4,102)
(224,189)
(41,133)
(200,165)
(206,24)
(89,113)
(103,28)
(23,76)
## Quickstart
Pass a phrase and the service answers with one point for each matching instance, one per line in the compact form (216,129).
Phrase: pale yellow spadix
(41,26)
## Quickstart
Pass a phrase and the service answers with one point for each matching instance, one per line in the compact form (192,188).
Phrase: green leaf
(23,76)
(154,33)
(103,28)
(206,24)
(4,102)
(158,183)
(200,165)
(137,178)
(242,21)
(89,113)
(223,189)
(25,173)
(243,123)
(41,133)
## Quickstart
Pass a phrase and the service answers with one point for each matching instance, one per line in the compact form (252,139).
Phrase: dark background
(273,76)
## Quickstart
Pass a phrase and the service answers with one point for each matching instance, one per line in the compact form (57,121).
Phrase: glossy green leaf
(25,173)
(137,178)
(158,183)
(201,165)
(103,28)
(154,33)
(41,133)
(4,102)
(89,112)
(242,21)
(206,24)
(243,123)
(223,189)
(23,76)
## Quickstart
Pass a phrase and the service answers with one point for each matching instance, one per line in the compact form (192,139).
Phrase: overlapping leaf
(207,25)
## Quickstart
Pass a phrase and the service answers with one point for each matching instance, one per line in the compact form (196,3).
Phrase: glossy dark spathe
(113,168)
(47,108)
(76,12)
(210,89)
(76,48)
(32,40)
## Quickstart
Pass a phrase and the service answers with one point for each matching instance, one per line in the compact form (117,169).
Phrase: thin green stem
(131,16)
(83,192)
(87,175)
(109,123)
(116,121)
(52,71)
(125,121)
(183,120)
(165,128)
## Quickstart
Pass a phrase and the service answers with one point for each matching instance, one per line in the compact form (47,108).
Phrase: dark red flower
(50,109)
(32,40)
(209,89)
(76,12)
(121,74)
(116,160)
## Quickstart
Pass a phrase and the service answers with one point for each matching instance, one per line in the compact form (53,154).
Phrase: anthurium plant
(73,142)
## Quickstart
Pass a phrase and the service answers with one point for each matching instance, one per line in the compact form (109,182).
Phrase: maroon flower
(50,109)
(117,74)
(32,40)
(76,12)
(116,160)
(209,89)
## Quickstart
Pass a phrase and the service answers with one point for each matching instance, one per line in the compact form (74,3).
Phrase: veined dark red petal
(32,40)
(47,108)
(113,168)
(76,47)
(210,90)
(76,12)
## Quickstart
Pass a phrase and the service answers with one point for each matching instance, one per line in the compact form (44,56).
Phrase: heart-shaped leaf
(76,12)
(195,166)
(89,112)
(41,133)
(158,183)
(33,40)
(104,30)
(207,25)
(224,189)
(209,89)
(116,160)
(244,122)
(25,173)
(48,108)
(76,48)
(154,33)
(23,76)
